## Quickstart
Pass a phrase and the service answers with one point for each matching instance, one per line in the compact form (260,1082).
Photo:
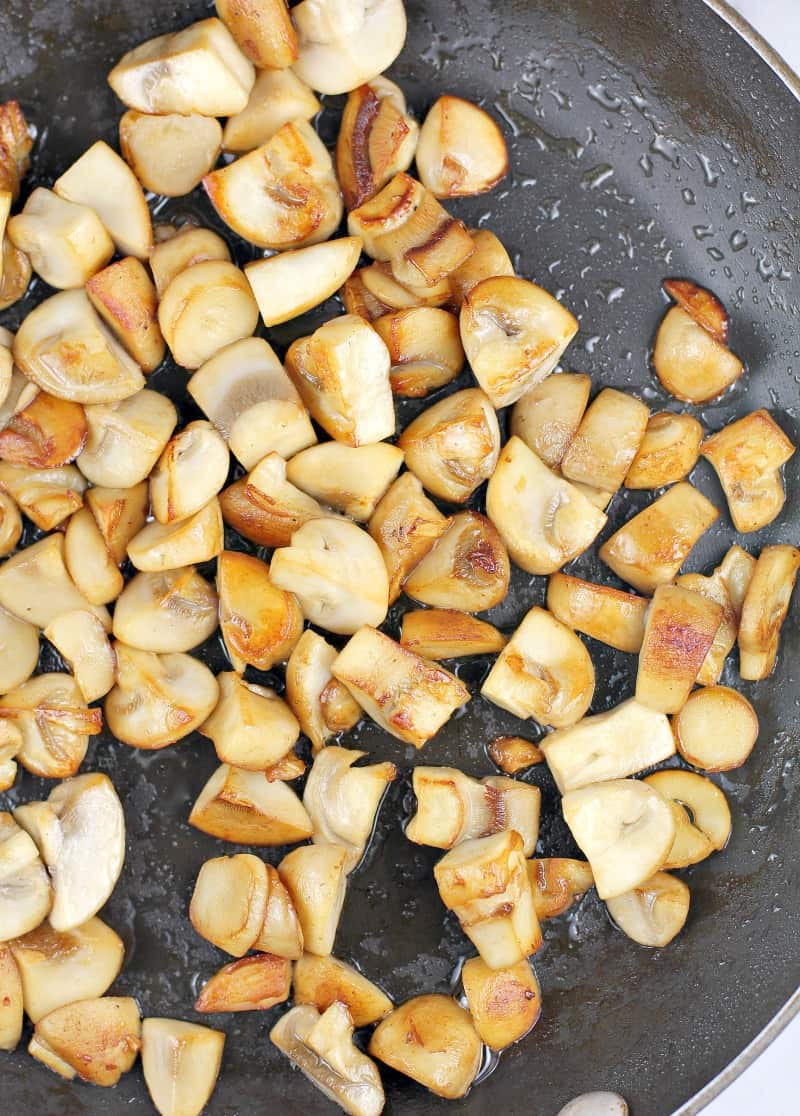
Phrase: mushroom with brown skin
(339,51)
(764,609)
(277,97)
(678,634)
(52,716)
(667,453)
(35,585)
(690,356)
(81,640)
(405,525)
(44,433)
(558,883)
(179,248)
(251,727)
(205,308)
(287,284)
(467,567)
(654,912)
(125,439)
(25,891)
(166,612)
(265,507)
(322,705)
(246,809)
(547,417)
(229,902)
(124,296)
(11,1010)
(316,878)
(504,1003)
(709,807)
(351,479)
(461,150)
(260,623)
(169,154)
(424,347)
(609,615)
(254,983)
(322,981)
(46,496)
(606,441)
(373,291)
(716,729)
(488,260)
(66,243)
(168,546)
(445,633)
(181,1063)
(96,1040)
(377,139)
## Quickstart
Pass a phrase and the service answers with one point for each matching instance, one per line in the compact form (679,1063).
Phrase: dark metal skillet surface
(647,139)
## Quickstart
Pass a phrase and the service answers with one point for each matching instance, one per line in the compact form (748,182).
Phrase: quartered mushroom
(405,525)
(15,273)
(452,808)
(81,640)
(166,612)
(691,357)
(96,1040)
(678,634)
(709,808)
(44,433)
(445,633)
(489,260)
(764,609)
(11,1012)
(158,699)
(716,729)
(190,472)
(544,671)
(10,744)
(544,520)
(736,571)
(373,291)
(252,728)
(558,883)
(322,1048)
(547,417)
(80,833)
(10,525)
(322,705)
(25,891)
(377,139)
(89,561)
(424,347)
(715,589)
(461,149)
(288,284)
(609,615)
(667,453)
(653,913)
(124,296)
(287,768)
(607,440)
(504,1003)
(65,242)
(408,696)
(46,496)
(35,585)
(17,139)
(263,30)
(125,439)
(513,754)
(691,844)
(351,479)
(206,307)
(260,623)
(19,651)
(169,154)
(229,902)
(181,1063)
(254,983)
(277,97)
(265,507)
(467,567)
(178,248)
(323,981)
(54,721)
(340,49)
(168,546)
(246,809)
(316,878)
(280,933)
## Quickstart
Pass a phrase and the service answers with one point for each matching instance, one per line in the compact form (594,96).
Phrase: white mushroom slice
(678,634)
(265,507)
(558,883)
(246,809)
(544,520)
(280,932)
(35,585)
(198,69)
(373,291)
(169,154)
(544,671)
(653,913)
(260,623)
(185,248)
(66,350)
(181,1063)
(488,260)
(252,728)
(60,967)
(337,573)
(467,568)
(706,802)
(51,713)
(609,615)
(126,439)
(607,440)
(461,150)
(15,273)
(65,242)
(263,30)
(342,374)
(690,362)
(547,417)
(19,651)
(624,827)
(252,402)
(651,547)
(444,633)
(452,807)
(323,981)
(425,349)
(454,445)
(160,546)
(343,800)
(281,195)
(229,902)
(254,983)
(80,831)
(716,729)
(289,283)
(89,561)
(11,1013)
(190,472)
(668,451)
(410,697)
(714,588)
(377,139)
(25,892)
(310,686)
(485,883)
(344,45)
(316,878)
(351,479)
(46,496)
(98,1039)
(120,514)
(166,612)
(277,97)
(514,334)
(158,699)
(764,609)
(206,307)
(612,745)
(504,1003)
(747,455)
(405,525)
(10,526)
(124,296)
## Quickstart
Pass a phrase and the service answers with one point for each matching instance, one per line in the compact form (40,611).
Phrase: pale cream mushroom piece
(336,572)
(373,291)
(11,1012)
(66,242)
(488,260)
(185,247)
(708,805)
(716,729)
(314,694)
(17,138)
(405,525)
(316,878)
(52,716)
(678,634)
(6,367)
(192,470)
(715,589)
(651,547)
(10,526)
(263,30)
(424,346)
(124,296)
(181,1063)
(514,334)
(89,561)
(259,622)
(691,844)
(377,138)
(64,348)
(454,445)
(277,97)
(341,46)
(25,891)
(246,809)
(229,902)
(254,983)
(606,441)
(452,807)
(736,571)
(126,439)
(280,932)
(544,672)
(654,912)
(410,697)
(467,567)
(543,519)
(343,801)
(322,981)
(35,585)
(199,69)
(513,754)
(702,305)
(169,154)
(44,433)
(485,883)
(691,360)
(461,149)
(46,496)
(80,832)
(81,640)
(206,307)
(287,284)
(547,417)
(558,883)
(342,374)
(283,194)
(10,744)
(668,451)
(19,651)
(120,513)
(175,610)
(612,616)
(611,745)
(15,273)
(251,727)
(265,507)
(445,633)
(764,609)
(98,1039)
(504,1003)
(625,829)
(351,479)
(246,393)
(59,967)
(160,546)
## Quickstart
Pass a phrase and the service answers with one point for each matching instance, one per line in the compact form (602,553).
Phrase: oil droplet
(702,232)
(592,343)
(738,240)
(715,254)
(646,163)
(711,177)
(666,148)
(748,201)
(608,100)
(688,196)
(765,268)
(596,176)
(730,210)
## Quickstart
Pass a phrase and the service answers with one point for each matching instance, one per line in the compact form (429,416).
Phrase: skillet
(646,139)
